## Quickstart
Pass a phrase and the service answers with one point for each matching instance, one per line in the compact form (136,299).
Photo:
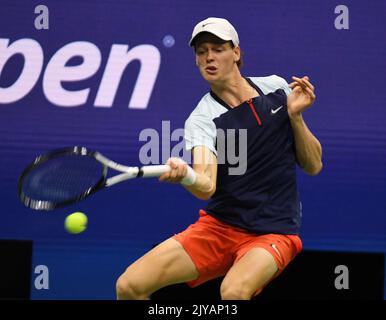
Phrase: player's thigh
(165,264)
(254,270)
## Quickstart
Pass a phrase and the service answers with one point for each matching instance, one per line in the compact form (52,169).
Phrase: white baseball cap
(220,27)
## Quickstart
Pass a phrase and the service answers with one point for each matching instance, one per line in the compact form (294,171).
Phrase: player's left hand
(301,97)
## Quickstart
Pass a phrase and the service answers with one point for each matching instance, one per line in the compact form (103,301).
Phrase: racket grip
(154,171)
(190,177)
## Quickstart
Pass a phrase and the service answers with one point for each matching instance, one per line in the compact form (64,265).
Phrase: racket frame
(127,173)
(49,205)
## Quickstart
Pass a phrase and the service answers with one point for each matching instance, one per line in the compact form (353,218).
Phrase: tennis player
(249,230)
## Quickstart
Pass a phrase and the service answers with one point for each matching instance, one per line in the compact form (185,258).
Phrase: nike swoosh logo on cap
(207,24)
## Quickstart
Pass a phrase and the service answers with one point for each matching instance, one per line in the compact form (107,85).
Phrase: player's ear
(236,53)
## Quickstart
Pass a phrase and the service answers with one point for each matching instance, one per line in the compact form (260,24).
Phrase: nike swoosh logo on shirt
(273,111)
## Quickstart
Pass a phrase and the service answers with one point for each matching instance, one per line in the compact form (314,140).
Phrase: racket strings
(62,178)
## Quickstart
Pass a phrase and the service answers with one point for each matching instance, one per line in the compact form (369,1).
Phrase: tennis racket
(66,176)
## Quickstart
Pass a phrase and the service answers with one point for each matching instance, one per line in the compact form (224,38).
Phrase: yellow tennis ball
(76,222)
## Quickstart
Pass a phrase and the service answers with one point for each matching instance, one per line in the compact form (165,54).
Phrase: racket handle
(158,170)
(154,171)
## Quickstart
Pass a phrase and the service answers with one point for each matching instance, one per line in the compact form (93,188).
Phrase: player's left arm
(308,147)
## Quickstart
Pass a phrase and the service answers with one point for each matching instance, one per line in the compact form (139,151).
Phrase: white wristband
(190,177)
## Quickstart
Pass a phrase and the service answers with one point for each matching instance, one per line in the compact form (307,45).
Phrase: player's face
(216,61)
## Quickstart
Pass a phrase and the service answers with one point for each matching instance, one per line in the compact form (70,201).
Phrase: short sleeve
(283,85)
(200,131)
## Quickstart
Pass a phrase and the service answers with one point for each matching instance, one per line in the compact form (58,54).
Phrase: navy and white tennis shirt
(264,197)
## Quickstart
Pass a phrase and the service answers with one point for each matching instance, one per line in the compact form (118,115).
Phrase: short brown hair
(211,38)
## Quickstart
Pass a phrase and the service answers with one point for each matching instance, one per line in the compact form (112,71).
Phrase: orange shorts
(214,246)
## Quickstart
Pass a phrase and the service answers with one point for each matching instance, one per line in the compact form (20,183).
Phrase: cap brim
(218,35)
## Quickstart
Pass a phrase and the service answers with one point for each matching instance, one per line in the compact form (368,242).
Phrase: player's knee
(127,289)
(234,291)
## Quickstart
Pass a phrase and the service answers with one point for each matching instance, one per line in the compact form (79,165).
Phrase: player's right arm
(205,168)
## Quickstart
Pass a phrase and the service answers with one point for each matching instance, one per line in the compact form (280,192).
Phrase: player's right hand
(178,171)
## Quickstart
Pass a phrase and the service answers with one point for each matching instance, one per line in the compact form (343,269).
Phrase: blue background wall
(344,207)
